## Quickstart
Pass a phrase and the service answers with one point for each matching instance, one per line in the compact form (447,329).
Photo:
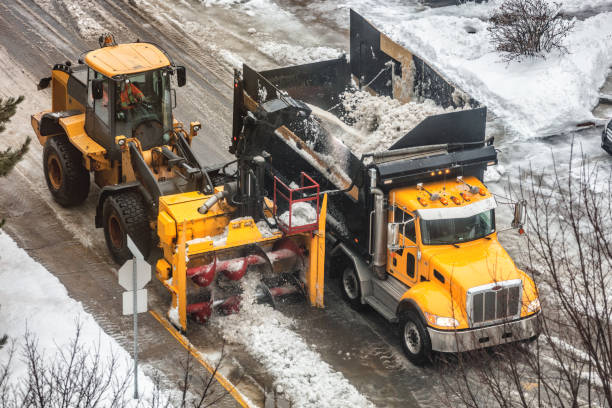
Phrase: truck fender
(110,190)
(430,297)
(363,270)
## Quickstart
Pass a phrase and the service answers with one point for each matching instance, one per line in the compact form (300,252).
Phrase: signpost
(133,276)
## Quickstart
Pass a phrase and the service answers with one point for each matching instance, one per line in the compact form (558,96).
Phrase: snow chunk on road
(535,97)
(35,300)
(299,371)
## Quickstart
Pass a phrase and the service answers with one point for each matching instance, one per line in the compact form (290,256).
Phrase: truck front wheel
(67,178)
(125,213)
(415,338)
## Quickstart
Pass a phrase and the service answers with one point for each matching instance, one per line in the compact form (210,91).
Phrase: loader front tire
(67,178)
(125,213)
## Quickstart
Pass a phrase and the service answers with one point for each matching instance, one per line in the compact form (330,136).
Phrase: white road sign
(126,274)
(128,302)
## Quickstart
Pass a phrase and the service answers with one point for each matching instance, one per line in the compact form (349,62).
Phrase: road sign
(128,304)
(134,249)
(126,274)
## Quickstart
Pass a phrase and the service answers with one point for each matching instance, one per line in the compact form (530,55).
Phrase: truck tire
(125,213)
(415,338)
(67,178)
(351,288)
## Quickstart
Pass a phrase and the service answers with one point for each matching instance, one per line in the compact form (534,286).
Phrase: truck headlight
(533,306)
(441,321)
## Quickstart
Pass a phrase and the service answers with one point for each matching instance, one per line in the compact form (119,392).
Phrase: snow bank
(298,372)
(34,300)
(535,97)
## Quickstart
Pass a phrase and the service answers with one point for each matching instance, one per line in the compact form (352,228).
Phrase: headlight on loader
(441,321)
(533,306)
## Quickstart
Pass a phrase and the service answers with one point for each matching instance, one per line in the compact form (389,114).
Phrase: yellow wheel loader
(201,228)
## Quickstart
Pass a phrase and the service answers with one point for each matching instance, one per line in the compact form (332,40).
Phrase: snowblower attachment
(207,253)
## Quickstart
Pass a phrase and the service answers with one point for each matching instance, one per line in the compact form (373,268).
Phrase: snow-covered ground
(34,301)
(298,372)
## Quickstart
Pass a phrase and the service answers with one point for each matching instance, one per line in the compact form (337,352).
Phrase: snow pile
(535,97)
(302,213)
(293,54)
(299,372)
(34,300)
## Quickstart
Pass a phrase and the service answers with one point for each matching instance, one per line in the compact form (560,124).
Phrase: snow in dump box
(377,121)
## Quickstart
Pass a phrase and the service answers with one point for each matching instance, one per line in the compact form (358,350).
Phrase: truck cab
(447,280)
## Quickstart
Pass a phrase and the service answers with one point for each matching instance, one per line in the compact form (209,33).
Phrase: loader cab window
(143,107)
(98,110)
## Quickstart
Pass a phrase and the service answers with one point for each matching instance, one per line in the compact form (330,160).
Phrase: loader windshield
(144,107)
(457,230)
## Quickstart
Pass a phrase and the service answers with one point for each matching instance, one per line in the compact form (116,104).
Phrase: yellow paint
(166,228)
(126,59)
(163,269)
(180,277)
(243,231)
(183,341)
(316,271)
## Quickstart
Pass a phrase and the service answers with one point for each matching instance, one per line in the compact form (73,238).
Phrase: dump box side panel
(409,78)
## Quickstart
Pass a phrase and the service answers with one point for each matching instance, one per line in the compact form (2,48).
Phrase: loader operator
(130,95)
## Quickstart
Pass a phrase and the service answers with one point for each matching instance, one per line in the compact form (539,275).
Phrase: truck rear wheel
(415,338)
(67,178)
(125,213)
(351,288)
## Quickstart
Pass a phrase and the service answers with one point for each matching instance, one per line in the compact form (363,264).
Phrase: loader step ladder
(286,197)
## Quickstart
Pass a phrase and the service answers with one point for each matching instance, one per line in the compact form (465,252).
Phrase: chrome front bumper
(458,341)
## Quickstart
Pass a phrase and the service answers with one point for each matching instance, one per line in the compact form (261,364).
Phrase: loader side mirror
(181,76)
(96,88)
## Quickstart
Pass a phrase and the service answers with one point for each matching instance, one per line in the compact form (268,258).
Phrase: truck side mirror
(393,229)
(520,211)
(181,76)
(96,88)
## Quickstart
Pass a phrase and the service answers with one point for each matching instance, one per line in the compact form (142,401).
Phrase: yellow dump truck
(411,230)
(111,115)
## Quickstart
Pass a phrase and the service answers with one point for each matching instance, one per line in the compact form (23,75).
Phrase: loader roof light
(106,40)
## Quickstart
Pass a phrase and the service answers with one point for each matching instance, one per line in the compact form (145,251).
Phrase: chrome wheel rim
(349,283)
(412,338)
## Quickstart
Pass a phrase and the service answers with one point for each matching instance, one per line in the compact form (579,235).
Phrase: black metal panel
(318,83)
(471,162)
(467,126)
(367,59)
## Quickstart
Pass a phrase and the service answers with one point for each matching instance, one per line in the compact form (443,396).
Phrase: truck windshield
(456,230)
(144,107)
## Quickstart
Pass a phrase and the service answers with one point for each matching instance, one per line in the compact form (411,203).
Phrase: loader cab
(129,93)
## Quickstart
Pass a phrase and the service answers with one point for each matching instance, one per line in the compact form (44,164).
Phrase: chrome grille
(494,302)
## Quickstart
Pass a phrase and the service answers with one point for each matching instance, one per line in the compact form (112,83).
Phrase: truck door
(402,261)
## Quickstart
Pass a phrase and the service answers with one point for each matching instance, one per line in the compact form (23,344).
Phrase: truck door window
(410,265)
(407,228)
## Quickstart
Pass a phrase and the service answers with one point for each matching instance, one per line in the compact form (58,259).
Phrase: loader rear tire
(67,178)
(125,213)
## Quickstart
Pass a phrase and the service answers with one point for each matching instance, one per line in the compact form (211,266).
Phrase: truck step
(381,308)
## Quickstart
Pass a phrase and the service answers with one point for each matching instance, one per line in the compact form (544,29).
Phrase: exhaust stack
(379,230)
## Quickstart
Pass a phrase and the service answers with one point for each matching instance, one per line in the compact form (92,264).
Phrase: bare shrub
(77,376)
(569,254)
(528,28)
